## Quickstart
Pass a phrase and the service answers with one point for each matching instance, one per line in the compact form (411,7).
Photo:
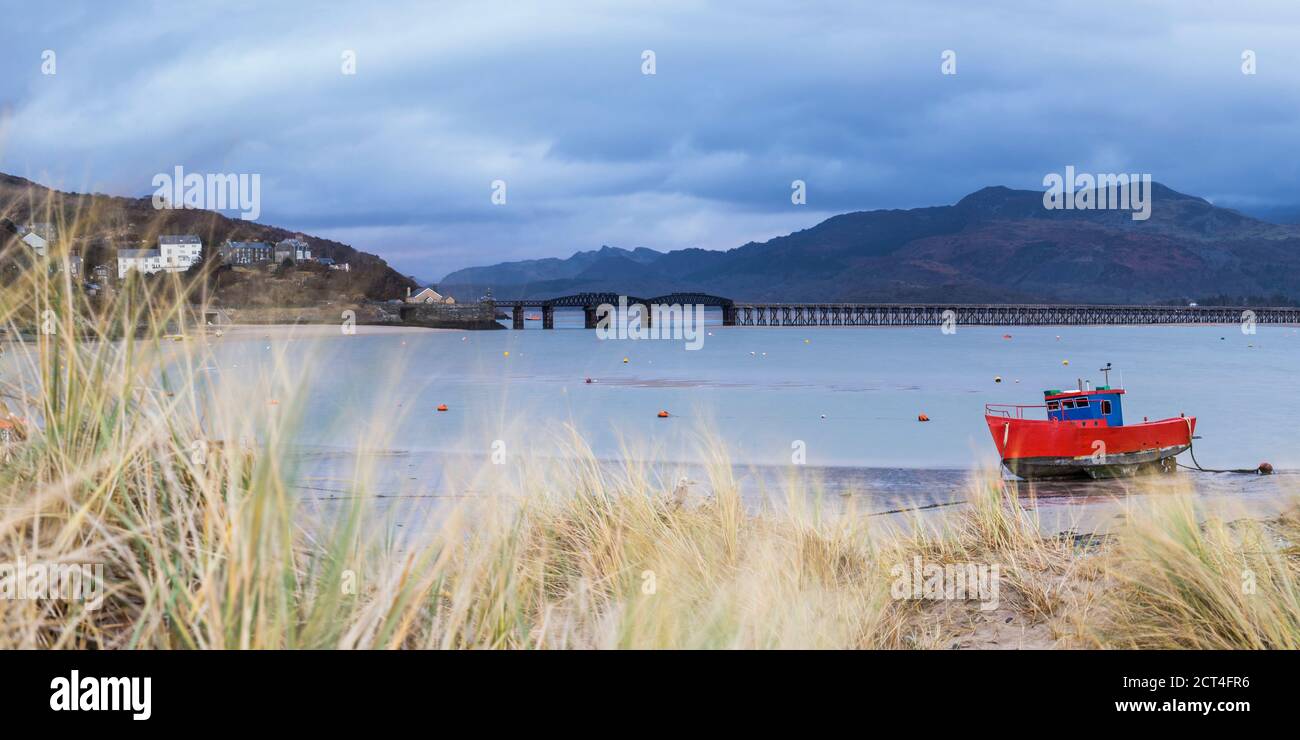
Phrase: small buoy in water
(506,353)
(997,378)
(922,417)
(273,402)
(1065,362)
(663,414)
(464,339)
(1265,468)
(588,381)
(442,407)
(1058,337)
(823,416)
(1006,336)
(624,360)
(807,341)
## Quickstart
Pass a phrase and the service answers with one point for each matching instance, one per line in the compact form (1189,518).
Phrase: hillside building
(175,253)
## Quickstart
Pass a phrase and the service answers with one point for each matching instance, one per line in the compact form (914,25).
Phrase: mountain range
(996,245)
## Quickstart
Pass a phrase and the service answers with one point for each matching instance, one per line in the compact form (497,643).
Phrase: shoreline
(282,330)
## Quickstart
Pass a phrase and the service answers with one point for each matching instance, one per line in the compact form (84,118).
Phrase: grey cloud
(549,97)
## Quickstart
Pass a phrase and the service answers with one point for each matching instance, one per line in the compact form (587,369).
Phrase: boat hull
(1034,449)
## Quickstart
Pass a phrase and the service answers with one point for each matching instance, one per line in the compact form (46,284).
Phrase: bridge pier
(548,317)
(517,317)
(589,319)
(728,315)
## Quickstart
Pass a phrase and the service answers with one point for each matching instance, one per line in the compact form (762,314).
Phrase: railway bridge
(905,314)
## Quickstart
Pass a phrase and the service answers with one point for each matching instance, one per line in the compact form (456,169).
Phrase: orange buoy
(1006,336)
(442,407)
(1265,469)
(922,417)
(273,402)
(663,414)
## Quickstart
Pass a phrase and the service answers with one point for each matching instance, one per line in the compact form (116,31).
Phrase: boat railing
(1007,409)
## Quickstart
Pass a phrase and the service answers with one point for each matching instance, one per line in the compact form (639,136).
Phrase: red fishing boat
(1084,434)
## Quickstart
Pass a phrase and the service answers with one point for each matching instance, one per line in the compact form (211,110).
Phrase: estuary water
(836,404)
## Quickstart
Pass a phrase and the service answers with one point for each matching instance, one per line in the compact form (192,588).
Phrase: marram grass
(183,489)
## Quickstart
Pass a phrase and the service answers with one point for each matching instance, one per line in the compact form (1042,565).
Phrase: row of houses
(253,253)
(178,253)
(261,253)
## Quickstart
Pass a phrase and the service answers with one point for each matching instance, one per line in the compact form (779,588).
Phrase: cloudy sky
(550,97)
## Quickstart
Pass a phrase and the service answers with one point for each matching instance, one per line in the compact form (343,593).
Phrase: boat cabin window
(1053,405)
(1105,407)
(1081,403)
(1067,404)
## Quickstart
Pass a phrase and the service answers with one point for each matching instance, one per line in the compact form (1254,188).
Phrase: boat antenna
(1106,371)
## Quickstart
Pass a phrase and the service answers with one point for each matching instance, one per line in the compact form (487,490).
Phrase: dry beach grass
(184,491)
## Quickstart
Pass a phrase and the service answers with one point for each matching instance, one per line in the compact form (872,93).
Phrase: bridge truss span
(885,314)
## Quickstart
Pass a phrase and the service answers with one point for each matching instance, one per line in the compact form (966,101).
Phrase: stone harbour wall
(432,315)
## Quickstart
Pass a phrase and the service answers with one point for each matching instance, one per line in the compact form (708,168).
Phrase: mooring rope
(1257,470)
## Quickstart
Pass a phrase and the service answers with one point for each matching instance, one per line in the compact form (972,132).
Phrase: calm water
(848,397)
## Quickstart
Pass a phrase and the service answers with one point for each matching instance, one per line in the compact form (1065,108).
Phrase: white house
(39,244)
(174,254)
(141,260)
(428,295)
(179,253)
